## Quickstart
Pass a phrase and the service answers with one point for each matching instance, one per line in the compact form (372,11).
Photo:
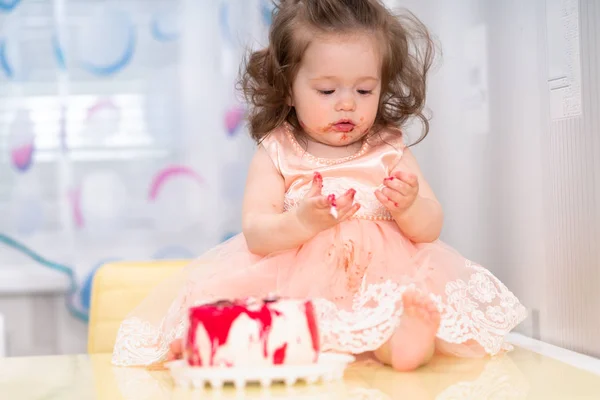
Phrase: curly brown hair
(408,50)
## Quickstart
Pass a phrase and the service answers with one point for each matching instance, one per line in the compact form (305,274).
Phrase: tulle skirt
(356,273)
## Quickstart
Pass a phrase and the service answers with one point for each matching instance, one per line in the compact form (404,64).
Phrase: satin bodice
(364,171)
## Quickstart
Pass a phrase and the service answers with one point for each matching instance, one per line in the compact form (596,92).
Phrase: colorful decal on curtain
(21,141)
(167,173)
(5,63)
(176,198)
(231,19)
(224,22)
(59,54)
(74,198)
(63,269)
(103,119)
(266,11)
(234,118)
(107,43)
(8,5)
(165,26)
(228,235)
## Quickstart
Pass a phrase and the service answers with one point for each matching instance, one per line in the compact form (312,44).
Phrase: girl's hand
(400,192)
(314,210)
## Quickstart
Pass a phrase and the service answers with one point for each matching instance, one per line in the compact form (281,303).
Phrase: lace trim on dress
(480,309)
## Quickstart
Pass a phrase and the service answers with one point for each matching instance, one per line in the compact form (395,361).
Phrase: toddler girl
(336,208)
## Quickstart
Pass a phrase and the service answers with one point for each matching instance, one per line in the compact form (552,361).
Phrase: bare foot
(412,344)
(175,350)
(175,353)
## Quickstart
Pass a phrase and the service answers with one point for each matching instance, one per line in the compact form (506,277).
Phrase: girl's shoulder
(274,138)
(275,143)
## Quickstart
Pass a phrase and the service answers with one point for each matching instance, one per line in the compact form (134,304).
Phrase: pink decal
(166,174)
(74,196)
(22,156)
(233,119)
(104,104)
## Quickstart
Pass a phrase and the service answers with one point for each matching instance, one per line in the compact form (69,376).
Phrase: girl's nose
(346,103)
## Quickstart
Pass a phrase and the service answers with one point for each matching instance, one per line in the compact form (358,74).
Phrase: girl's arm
(266,227)
(422,220)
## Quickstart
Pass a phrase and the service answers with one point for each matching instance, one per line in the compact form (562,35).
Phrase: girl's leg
(413,343)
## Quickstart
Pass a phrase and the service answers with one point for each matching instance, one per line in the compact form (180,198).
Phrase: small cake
(251,332)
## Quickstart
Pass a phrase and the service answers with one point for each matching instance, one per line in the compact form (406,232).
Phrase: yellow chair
(117,289)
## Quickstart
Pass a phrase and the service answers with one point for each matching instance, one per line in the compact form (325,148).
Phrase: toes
(413,298)
(431,308)
(425,313)
(420,305)
(409,300)
(423,300)
(175,349)
(409,297)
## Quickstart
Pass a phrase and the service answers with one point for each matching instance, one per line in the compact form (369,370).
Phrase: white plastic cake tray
(328,368)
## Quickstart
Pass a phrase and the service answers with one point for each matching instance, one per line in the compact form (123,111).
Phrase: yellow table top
(520,374)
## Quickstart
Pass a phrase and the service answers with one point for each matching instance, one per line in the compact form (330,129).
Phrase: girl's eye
(365,91)
(326,92)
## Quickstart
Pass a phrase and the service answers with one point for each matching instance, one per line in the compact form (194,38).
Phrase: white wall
(519,189)
(572,191)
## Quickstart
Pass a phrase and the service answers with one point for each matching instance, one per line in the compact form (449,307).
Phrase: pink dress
(356,272)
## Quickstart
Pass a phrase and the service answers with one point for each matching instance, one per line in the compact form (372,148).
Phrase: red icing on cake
(312,326)
(287,345)
(217,322)
(279,355)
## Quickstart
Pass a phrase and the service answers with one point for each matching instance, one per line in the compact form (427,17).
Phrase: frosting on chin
(252,332)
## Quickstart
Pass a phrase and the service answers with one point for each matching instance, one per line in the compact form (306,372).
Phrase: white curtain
(121,134)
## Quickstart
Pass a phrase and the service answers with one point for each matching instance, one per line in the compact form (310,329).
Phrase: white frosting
(244,346)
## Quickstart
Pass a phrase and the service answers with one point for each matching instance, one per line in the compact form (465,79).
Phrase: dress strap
(272,143)
(391,138)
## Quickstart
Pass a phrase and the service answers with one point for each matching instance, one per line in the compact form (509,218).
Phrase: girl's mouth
(343,125)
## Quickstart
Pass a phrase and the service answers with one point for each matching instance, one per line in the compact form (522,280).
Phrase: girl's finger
(350,213)
(393,195)
(317,185)
(343,210)
(397,185)
(347,199)
(386,201)
(320,202)
(407,177)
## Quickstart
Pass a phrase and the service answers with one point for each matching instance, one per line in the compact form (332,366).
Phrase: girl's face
(336,91)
